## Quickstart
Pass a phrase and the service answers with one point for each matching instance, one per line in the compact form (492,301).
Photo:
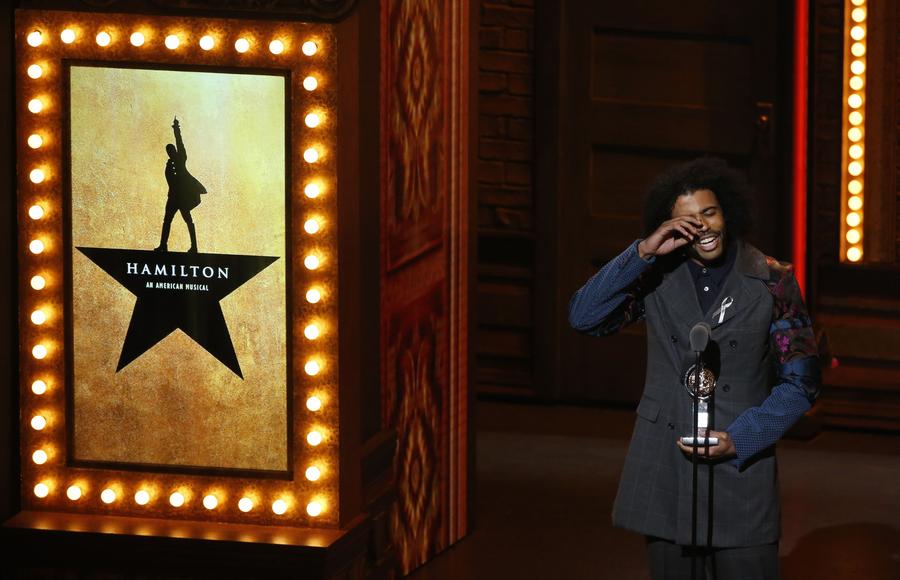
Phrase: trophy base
(700,441)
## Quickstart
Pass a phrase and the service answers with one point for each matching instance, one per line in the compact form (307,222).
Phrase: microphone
(700,336)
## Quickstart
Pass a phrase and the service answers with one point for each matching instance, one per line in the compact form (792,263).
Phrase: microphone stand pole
(694,468)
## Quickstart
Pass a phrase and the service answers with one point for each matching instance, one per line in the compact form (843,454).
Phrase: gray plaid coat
(763,340)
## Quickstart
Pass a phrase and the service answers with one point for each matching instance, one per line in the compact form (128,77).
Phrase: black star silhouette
(178,291)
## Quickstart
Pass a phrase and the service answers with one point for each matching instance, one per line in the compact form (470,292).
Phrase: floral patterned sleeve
(797,384)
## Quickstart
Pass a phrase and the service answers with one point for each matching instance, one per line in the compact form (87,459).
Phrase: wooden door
(644,85)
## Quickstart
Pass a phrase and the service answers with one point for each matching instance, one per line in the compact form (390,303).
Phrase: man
(184,191)
(693,266)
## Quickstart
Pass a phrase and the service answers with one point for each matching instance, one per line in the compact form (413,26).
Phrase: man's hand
(723,450)
(669,236)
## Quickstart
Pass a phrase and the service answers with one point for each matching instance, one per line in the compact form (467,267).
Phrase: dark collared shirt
(709,279)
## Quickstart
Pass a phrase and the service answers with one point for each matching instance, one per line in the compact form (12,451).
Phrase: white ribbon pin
(728,301)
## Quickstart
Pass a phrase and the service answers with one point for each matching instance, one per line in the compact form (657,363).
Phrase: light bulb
(313,473)
(210,502)
(103,39)
(855,203)
(314,404)
(858,32)
(310,83)
(856,83)
(855,186)
(35,71)
(172,42)
(311,332)
(314,438)
(36,246)
(39,457)
(310,155)
(311,226)
(137,39)
(108,496)
(312,368)
(176,500)
(245,504)
(857,67)
(34,38)
(142,497)
(854,134)
(853,219)
(67,36)
(312,190)
(855,101)
(312,120)
(855,151)
(311,262)
(276,47)
(858,14)
(39,351)
(242,45)
(38,317)
(854,254)
(35,141)
(35,106)
(38,387)
(309,48)
(37,176)
(853,236)
(313,296)
(858,49)
(279,507)
(314,508)
(35,212)
(38,282)
(41,490)
(207,42)
(73,493)
(38,423)
(855,168)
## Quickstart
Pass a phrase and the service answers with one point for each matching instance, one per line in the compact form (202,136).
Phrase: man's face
(703,205)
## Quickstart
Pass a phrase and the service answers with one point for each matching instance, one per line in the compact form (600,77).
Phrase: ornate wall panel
(424,264)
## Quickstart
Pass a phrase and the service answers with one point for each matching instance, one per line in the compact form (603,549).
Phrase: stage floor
(546,479)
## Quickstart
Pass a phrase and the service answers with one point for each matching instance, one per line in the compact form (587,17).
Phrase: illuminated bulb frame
(51,403)
(847,249)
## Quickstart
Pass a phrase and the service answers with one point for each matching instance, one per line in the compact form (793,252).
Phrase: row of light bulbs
(138,38)
(177,499)
(38,282)
(855,149)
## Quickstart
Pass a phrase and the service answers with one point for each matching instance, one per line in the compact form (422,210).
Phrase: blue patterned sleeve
(797,383)
(611,299)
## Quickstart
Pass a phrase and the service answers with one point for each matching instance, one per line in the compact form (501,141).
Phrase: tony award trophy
(700,383)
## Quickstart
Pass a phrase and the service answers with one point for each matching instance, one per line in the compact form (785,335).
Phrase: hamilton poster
(178,268)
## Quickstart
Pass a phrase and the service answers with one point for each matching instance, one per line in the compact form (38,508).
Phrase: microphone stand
(694,467)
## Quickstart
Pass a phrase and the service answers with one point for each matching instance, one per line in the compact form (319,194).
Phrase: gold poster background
(176,405)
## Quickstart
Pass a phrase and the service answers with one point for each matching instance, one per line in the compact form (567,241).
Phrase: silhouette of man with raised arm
(184,191)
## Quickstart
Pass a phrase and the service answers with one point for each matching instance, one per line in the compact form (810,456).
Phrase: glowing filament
(311,262)
(172,42)
(242,45)
(41,490)
(108,496)
(39,351)
(311,155)
(37,176)
(313,473)
(311,226)
(73,493)
(36,246)
(312,368)
(310,83)
(276,47)
(35,106)
(314,404)
(279,507)
(210,502)
(176,500)
(67,36)
(245,504)
(142,497)
(35,38)
(314,508)
(312,120)
(314,438)
(38,317)
(311,332)
(35,212)
(35,71)
(313,296)
(312,190)
(39,457)
(38,282)
(853,236)
(103,39)
(207,42)
(38,387)
(854,254)
(137,39)
(309,48)
(35,141)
